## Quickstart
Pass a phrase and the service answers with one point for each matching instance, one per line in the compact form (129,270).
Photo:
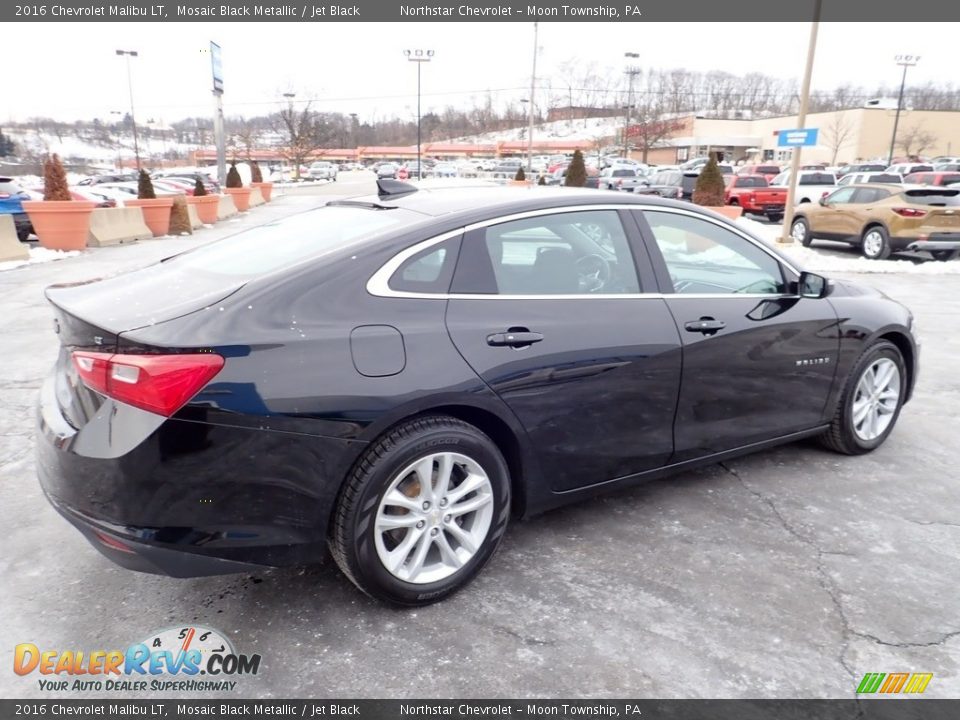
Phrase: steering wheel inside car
(594,272)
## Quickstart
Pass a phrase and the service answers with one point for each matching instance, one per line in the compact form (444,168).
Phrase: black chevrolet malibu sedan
(398,376)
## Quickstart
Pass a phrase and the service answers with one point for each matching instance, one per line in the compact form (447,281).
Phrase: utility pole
(632,71)
(533,86)
(785,236)
(906,61)
(136,145)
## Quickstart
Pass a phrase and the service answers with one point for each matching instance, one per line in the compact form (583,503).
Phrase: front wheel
(800,232)
(870,403)
(422,512)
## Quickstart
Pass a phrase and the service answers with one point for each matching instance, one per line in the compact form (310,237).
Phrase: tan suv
(885,218)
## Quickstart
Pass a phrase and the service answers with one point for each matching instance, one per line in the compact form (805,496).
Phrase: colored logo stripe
(891,683)
(870,682)
(918,683)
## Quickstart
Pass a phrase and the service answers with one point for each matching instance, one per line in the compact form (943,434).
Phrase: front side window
(844,195)
(573,253)
(705,258)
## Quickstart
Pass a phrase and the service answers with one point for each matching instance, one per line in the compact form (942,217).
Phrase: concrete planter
(60,224)
(241,197)
(156,213)
(266,189)
(206,206)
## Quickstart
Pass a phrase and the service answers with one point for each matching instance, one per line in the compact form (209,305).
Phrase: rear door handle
(705,325)
(514,339)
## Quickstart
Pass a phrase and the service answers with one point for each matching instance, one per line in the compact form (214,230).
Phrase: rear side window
(751,182)
(870,195)
(885,178)
(267,248)
(933,196)
(624,172)
(429,271)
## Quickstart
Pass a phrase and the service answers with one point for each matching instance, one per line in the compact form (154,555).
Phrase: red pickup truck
(753,194)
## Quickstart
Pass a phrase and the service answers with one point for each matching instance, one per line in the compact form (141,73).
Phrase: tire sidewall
(884,247)
(880,350)
(802,221)
(455,438)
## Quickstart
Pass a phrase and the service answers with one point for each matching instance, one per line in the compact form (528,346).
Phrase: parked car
(413,170)
(932,178)
(811,185)
(755,196)
(857,178)
(676,184)
(88,193)
(909,168)
(109,178)
(186,442)
(210,185)
(387,170)
(323,170)
(769,172)
(881,219)
(848,169)
(508,166)
(11,199)
(946,167)
(619,177)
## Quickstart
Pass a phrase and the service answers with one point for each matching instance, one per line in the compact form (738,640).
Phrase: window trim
(378,284)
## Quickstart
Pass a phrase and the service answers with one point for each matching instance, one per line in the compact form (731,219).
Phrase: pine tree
(521,175)
(576,171)
(55,180)
(6,146)
(145,189)
(199,189)
(710,187)
(233,177)
(256,176)
(542,180)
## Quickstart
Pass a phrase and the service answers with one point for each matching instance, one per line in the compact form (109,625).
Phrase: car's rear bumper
(184,497)
(934,241)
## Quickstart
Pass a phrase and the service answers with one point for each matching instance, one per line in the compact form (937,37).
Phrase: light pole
(906,61)
(632,71)
(419,57)
(354,133)
(136,145)
(533,86)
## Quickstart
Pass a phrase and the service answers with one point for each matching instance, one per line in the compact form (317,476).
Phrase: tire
(775,218)
(800,231)
(875,243)
(844,435)
(361,547)
(945,255)
(23,234)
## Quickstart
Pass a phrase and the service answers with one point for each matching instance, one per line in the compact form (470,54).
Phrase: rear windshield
(624,172)
(264,249)
(884,178)
(751,182)
(815,178)
(934,197)
(768,170)
(8,186)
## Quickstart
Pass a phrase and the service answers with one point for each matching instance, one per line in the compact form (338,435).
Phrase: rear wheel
(800,231)
(422,512)
(871,401)
(774,217)
(875,243)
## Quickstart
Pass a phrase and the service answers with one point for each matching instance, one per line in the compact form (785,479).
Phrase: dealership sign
(801,137)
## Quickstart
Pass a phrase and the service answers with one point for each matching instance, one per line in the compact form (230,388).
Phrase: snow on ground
(39,255)
(818,260)
(584,129)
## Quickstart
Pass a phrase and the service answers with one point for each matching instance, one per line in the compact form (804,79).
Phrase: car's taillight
(909,212)
(161,384)
(4,196)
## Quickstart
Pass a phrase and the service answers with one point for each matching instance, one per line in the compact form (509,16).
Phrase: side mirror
(811,285)
(823,202)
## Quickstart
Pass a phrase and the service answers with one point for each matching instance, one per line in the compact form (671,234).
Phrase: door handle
(514,339)
(705,325)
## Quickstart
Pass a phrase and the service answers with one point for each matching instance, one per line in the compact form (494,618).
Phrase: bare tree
(301,131)
(915,140)
(838,132)
(649,128)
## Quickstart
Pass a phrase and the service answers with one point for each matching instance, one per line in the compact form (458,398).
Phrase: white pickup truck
(811,185)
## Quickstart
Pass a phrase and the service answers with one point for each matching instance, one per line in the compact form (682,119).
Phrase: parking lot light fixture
(632,71)
(420,57)
(136,145)
(904,61)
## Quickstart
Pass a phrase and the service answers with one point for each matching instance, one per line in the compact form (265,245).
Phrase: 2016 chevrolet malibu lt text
(398,376)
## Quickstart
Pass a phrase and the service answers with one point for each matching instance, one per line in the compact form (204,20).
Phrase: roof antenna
(387,188)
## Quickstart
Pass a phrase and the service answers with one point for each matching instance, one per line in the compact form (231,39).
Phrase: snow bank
(39,255)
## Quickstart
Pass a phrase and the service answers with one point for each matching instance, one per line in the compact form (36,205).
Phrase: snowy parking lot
(789,573)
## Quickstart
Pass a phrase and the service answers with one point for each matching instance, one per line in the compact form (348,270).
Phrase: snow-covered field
(830,261)
(586,129)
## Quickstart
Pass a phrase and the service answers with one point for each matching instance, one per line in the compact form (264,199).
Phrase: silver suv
(322,170)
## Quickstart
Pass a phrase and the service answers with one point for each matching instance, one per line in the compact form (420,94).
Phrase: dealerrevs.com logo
(189,659)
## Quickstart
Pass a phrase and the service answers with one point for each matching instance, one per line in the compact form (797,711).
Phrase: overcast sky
(360,67)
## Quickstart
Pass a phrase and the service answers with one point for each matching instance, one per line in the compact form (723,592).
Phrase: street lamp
(533,87)
(136,145)
(419,57)
(632,71)
(905,61)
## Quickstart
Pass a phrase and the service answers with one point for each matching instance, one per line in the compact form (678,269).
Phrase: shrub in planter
(521,176)
(542,180)
(256,176)
(156,211)
(205,203)
(60,222)
(256,180)
(199,189)
(235,188)
(710,190)
(577,171)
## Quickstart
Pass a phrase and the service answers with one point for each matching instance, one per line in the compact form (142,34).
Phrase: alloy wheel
(876,399)
(872,243)
(798,232)
(434,517)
